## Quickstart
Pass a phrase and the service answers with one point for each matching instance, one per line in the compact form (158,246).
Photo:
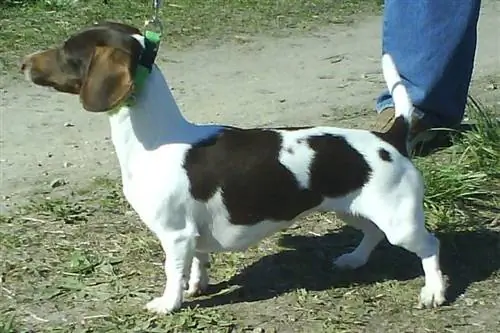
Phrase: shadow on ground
(466,257)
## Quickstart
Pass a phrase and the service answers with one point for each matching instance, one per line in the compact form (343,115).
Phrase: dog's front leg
(179,247)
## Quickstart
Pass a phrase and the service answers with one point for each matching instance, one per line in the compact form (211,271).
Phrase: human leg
(433,44)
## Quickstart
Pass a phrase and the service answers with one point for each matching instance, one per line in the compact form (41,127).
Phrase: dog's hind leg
(198,279)
(372,236)
(405,227)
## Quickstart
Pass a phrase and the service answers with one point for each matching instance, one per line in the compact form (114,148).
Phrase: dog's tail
(397,135)
(402,102)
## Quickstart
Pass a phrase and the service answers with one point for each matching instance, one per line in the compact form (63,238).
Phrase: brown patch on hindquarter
(384,155)
(337,168)
(255,186)
(397,135)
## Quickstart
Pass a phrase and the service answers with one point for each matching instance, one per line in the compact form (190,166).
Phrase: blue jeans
(433,43)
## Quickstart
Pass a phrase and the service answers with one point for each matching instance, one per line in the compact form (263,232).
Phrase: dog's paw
(349,261)
(163,305)
(432,296)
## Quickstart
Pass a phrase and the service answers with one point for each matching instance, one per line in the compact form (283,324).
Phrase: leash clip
(154,24)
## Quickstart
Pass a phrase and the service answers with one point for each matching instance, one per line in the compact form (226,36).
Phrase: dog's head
(97,63)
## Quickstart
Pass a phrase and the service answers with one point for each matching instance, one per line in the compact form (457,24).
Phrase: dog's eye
(71,63)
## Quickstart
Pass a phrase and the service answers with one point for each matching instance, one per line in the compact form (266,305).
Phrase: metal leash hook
(156,7)
(154,25)
(153,30)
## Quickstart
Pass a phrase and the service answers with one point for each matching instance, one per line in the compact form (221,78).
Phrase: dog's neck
(154,120)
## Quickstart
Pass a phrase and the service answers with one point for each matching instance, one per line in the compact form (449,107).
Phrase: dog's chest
(155,184)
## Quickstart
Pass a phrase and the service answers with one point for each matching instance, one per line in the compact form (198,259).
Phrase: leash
(153,30)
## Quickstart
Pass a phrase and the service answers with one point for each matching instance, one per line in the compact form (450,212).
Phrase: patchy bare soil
(76,259)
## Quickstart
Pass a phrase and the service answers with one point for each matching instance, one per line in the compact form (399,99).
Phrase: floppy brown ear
(108,80)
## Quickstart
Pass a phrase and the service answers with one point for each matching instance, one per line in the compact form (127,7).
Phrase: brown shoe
(421,131)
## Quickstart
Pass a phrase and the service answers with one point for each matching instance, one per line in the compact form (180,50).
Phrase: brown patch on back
(255,185)
(244,165)
(291,128)
(384,155)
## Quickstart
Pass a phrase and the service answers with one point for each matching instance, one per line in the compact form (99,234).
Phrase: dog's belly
(221,235)
(216,233)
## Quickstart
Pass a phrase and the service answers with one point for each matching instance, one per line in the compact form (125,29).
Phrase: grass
(85,263)
(467,181)
(25,29)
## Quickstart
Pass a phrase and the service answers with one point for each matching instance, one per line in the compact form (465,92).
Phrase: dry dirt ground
(331,76)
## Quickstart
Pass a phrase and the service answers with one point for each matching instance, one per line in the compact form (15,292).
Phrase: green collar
(146,62)
(147,59)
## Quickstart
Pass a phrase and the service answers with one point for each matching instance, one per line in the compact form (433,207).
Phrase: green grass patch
(464,181)
(481,147)
(28,26)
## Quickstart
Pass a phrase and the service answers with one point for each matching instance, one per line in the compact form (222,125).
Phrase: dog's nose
(24,64)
